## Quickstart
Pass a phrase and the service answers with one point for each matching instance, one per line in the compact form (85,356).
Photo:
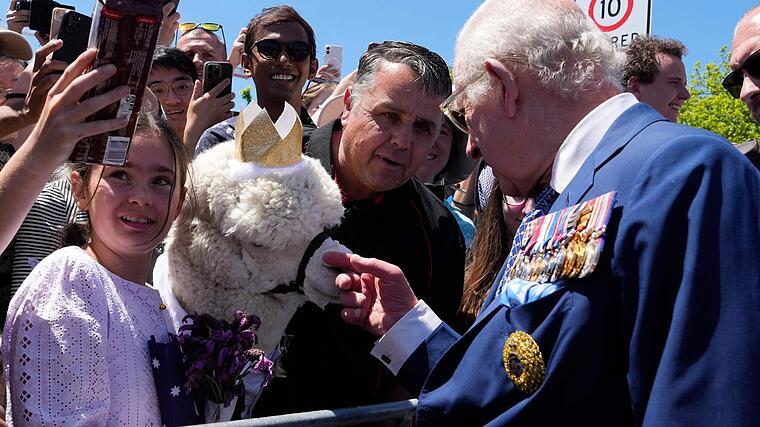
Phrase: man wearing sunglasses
(279,54)
(656,326)
(744,80)
(200,42)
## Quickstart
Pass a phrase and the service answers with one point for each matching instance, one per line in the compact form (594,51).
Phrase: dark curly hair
(642,56)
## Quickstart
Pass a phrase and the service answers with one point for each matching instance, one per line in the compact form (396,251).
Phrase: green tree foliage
(712,108)
(246,94)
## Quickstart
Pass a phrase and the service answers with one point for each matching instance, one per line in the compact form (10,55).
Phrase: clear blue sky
(703,25)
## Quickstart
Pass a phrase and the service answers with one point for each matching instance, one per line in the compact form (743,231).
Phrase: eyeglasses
(455,112)
(180,87)
(296,50)
(208,26)
(735,79)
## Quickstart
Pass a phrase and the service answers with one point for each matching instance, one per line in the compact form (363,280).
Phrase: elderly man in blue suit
(651,317)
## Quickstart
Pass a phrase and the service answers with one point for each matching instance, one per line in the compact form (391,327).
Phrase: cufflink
(385,359)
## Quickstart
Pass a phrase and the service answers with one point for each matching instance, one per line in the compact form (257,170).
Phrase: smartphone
(55,21)
(176,5)
(213,73)
(22,5)
(41,14)
(75,33)
(334,56)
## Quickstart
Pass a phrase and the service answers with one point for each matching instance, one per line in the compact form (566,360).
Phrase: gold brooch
(524,362)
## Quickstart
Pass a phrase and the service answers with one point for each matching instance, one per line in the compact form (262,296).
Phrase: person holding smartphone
(190,111)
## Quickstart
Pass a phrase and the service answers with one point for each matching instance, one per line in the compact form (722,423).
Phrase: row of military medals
(564,244)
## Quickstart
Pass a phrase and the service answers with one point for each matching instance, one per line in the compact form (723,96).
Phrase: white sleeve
(55,347)
(405,336)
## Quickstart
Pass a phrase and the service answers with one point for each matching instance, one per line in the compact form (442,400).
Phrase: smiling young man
(171,79)
(655,74)
(280,55)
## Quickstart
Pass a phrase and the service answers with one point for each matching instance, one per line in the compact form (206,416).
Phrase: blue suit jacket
(665,331)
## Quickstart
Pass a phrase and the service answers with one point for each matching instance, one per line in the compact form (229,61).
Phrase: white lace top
(75,346)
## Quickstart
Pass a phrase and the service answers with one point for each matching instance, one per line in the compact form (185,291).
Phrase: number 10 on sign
(622,20)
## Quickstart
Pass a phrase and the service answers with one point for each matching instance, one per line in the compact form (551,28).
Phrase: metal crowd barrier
(402,412)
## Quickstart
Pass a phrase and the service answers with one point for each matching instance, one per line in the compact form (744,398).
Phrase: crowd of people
(534,239)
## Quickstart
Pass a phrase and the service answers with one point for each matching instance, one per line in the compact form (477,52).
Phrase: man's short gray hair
(751,16)
(432,72)
(557,44)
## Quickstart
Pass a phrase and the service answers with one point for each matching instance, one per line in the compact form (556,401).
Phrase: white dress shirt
(407,334)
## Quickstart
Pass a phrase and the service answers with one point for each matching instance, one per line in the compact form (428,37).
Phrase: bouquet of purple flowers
(219,354)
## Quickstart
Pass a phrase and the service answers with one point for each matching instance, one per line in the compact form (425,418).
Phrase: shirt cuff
(405,336)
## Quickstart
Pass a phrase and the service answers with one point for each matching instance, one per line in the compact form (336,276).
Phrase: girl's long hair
(485,258)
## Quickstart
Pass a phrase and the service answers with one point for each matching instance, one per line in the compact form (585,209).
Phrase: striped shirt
(39,234)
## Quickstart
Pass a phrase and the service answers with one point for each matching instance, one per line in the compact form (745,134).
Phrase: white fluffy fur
(248,234)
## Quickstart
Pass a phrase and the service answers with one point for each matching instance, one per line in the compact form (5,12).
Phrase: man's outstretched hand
(374,293)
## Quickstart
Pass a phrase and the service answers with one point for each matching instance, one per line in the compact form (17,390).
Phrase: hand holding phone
(213,74)
(334,57)
(75,33)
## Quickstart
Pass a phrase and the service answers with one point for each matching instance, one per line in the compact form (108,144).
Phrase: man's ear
(313,67)
(346,106)
(633,86)
(510,93)
(78,190)
(245,63)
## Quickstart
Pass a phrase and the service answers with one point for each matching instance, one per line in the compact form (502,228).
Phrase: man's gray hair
(431,70)
(556,43)
(751,16)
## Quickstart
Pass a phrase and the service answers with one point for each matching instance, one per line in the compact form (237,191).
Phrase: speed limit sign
(622,20)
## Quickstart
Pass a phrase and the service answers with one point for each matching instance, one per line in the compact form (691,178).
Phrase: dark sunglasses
(735,79)
(296,50)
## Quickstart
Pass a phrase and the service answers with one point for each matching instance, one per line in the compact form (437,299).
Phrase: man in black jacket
(389,124)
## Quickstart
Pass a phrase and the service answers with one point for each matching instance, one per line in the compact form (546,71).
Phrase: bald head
(746,42)
(747,27)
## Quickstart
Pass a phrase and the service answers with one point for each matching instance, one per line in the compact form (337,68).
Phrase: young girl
(75,340)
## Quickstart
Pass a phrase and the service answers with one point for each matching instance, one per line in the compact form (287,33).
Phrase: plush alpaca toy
(251,236)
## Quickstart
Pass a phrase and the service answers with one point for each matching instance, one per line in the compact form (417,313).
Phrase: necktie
(544,202)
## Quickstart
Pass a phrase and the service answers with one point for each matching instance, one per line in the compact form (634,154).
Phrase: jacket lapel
(622,131)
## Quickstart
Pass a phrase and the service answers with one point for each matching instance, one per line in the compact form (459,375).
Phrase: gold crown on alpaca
(259,141)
